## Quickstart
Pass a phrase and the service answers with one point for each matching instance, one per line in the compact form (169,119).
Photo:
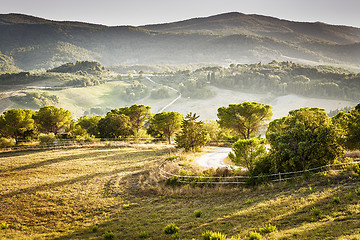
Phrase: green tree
(245,118)
(115,126)
(90,124)
(17,123)
(52,119)
(349,124)
(167,123)
(304,139)
(192,135)
(247,152)
(138,115)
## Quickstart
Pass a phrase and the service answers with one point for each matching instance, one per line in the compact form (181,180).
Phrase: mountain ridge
(35,43)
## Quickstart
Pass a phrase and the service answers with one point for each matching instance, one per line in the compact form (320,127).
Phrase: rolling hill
(28,42)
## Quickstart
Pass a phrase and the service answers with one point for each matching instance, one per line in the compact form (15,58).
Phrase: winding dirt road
(214,159)
(171,88)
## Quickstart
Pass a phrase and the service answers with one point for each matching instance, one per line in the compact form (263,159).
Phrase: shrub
(95,228)
(249,202)
(4,225)
(210,235)
(268,229)
(171,229)
(4,142)
(198,213)
(125,206)
(172,181)
(336,200)
(316,211)
(109,235)
(357,191)
(143,234)
(175,236)
(254,236)
(173,157)
(47,138)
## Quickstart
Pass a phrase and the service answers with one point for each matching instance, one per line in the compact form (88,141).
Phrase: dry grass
(63,194)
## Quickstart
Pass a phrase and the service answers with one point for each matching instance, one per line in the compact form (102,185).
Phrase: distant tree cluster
(278,78)
(35,100)
(79,67)
(162,92)
(135,91)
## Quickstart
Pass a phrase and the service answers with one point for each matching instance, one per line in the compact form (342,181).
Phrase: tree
(115,126)
(52,119)
(167,123)
(17,123)
(247,152)
(244,118)
(138,115)
(90,124)
(304,139)
(349,124)
(192,135)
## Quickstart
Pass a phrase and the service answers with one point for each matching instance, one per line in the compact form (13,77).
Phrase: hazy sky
(141,12)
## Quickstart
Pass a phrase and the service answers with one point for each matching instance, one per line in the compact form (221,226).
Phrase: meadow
(84,193)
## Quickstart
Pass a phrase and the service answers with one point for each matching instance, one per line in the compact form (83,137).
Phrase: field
(83,193)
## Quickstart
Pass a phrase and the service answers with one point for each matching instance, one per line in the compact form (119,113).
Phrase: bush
(198,213)
(171,229)
(210,235)
(109,235)
(4,225)
(125,206)
(316,211)
(336,200)
(267,229)
(4,143)
(357,191)
(249,202)
(46,139)
(254,236)
(175,236)
(143,234)
(172,181)
(95,228)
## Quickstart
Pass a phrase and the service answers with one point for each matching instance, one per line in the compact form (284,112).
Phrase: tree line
(304,139)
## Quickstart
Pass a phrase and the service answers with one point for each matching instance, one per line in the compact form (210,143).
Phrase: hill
(33,43)
(82,193)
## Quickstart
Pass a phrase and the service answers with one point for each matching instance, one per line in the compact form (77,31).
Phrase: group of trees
(305,139)
(278,78)
(136,121)
(21,124)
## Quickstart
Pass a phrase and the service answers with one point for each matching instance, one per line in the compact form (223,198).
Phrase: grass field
(83,193)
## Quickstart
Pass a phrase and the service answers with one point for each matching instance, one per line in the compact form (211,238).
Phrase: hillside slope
(35,43)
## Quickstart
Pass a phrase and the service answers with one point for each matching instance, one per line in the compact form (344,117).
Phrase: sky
(142,12)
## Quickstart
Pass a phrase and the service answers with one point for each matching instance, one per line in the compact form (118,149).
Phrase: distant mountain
(28,42)
(238,23)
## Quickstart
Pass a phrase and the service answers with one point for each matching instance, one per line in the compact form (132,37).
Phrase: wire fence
(244,179)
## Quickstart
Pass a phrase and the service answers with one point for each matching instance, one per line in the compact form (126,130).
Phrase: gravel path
(214,159)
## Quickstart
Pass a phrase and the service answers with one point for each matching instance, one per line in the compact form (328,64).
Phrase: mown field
(83,193)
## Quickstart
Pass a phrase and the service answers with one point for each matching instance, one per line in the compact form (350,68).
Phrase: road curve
(214,159)
(171,88)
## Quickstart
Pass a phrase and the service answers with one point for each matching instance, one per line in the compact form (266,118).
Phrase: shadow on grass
(75,157)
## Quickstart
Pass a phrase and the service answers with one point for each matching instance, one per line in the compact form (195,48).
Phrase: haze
(142,12)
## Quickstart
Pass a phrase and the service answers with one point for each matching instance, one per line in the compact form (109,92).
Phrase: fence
(277,177)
